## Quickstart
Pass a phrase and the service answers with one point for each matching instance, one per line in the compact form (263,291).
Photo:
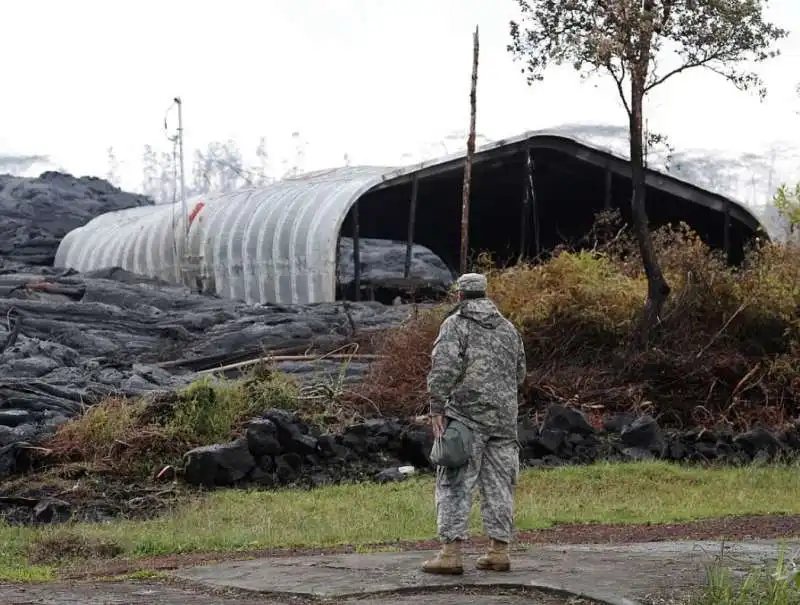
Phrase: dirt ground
(93,496)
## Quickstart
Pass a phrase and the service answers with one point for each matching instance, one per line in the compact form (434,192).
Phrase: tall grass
(778,585)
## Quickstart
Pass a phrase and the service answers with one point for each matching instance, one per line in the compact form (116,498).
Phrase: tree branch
(619,81)
(690,65)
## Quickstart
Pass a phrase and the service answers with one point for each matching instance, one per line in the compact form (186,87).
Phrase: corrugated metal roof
(271,244)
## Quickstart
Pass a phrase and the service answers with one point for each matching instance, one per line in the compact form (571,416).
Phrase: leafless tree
(295,166)
(112,174)
(219,168)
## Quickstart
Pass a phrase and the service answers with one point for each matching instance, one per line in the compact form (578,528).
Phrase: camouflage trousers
(494,467)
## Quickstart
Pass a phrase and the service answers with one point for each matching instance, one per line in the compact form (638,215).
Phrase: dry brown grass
(62,546)
(727,348)
(397,384)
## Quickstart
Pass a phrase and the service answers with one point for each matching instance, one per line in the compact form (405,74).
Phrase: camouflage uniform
(478,362)
(494,466)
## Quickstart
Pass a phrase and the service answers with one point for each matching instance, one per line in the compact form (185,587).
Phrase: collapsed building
(376,232)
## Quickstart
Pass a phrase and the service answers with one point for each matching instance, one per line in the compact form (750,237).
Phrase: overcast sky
(376,79)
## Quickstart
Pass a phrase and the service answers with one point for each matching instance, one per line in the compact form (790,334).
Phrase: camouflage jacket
(477,364)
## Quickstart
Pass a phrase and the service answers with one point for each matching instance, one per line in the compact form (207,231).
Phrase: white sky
(375,79)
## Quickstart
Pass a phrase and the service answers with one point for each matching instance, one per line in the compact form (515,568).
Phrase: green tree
(641,44)
(787,201)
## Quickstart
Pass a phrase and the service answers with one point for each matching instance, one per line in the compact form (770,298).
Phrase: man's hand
(437,422)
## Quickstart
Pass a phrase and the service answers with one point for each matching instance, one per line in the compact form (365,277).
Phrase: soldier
(477,365)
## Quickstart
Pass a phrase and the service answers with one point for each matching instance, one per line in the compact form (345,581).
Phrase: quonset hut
(310,239)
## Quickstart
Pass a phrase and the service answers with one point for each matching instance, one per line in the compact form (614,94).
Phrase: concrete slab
(605,573)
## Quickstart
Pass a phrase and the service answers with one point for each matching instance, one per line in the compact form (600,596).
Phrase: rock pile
(280,449)
(566,437)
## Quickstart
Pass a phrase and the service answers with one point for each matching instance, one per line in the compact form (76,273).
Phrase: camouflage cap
(471,282)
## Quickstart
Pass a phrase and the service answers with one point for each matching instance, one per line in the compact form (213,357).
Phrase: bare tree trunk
(473,101)
(657,287)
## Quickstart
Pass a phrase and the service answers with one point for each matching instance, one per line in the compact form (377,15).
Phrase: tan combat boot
(447,561)
(496,558)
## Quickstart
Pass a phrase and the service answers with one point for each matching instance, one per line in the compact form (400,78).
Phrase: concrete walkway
(627,574)
(617,574)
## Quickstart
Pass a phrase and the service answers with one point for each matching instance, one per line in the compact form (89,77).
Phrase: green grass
(777,585)
(14,566)
(368,514)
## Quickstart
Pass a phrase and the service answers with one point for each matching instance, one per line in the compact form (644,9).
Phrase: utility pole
(184,209)
(180,251)
(470,153)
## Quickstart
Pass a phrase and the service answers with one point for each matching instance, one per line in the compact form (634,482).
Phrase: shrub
(583,284)
(210,412)
(397,384)
(137,437)
(726,347)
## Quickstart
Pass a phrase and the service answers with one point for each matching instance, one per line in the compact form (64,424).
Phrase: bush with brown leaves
(727,348)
